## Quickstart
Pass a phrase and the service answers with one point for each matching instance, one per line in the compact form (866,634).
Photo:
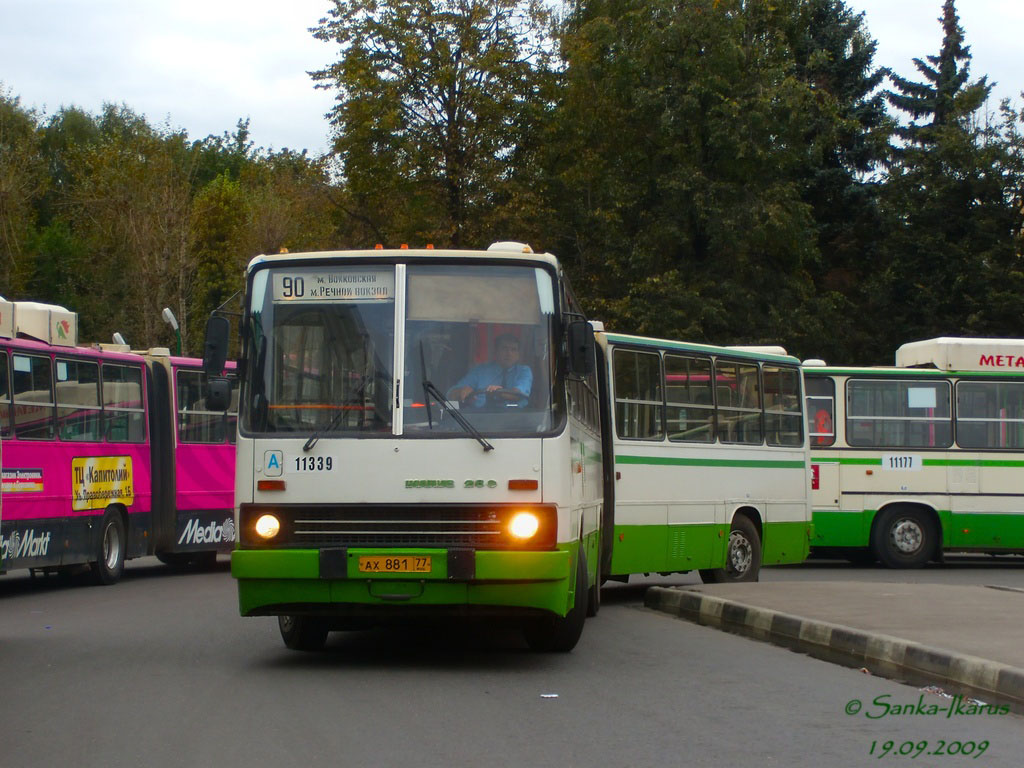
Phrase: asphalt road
(159,670)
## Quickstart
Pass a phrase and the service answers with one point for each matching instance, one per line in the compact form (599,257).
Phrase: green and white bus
(378,477)
(922,458)
(706,455)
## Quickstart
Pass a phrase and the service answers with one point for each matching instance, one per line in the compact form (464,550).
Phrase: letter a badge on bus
(273,461)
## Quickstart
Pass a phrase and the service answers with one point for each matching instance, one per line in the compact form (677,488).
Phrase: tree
(432,97)
(946,98)
(952,197)
(23,180)
(847,134)
(131,204)
(279,201)
(680,155)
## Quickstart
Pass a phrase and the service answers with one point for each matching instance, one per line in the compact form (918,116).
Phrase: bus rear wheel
(904,537)
(743,557)
(561,633)
(109,563)
(303,633)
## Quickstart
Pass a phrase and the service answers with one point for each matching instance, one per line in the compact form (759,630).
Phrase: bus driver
(504,381)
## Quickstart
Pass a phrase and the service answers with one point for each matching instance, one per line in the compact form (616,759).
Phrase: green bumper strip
(540,580)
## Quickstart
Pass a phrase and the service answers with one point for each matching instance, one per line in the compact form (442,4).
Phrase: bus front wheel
(594,593)
(303,633)
(561,633)
(904,537)
(742,558)
(109,563)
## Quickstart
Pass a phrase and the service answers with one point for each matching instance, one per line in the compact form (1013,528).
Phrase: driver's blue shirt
(518,376)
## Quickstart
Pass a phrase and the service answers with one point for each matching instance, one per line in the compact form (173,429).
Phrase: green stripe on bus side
(960,530)
(670,548)
(618,339)
(667,548)
(663,461)
(877,462)
(907,373)
(842,528)
(786,542)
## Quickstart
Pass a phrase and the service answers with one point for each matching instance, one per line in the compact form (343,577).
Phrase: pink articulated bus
(107,454)
(195,495)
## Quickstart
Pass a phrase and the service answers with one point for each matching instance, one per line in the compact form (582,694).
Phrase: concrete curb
(881,654)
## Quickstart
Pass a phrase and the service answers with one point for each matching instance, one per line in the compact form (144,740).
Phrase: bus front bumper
(274,582)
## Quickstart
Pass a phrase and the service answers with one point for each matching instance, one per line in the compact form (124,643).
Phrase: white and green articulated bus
(428,433)
(922,458)
(707,460)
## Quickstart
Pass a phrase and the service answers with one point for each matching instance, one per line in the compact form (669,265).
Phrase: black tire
(594,592)
(561,633)
(862,556)
(743,557)
(904,537)
(108,566)
(303,633)
(182,560)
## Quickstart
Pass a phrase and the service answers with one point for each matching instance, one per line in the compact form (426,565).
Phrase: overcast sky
(203,64)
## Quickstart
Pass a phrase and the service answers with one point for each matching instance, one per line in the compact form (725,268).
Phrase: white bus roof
(760,352)
(511,251)
(48,323)
(963,354)
(761,349)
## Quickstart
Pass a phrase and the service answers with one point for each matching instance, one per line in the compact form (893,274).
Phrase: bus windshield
(477,339)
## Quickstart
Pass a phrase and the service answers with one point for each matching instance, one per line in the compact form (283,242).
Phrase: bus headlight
(267,526)
(523,525)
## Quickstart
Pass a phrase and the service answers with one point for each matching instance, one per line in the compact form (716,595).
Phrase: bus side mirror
(581,348)
(215,348)
(215,357)
(218,393)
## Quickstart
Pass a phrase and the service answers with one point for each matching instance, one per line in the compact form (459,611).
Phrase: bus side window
(125,418)
(78,400)
(821,403)
(783,417)
(5,396)
(33,397)
(638,394)
(196,424)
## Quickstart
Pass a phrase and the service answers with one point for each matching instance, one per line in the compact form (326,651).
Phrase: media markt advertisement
(97,481)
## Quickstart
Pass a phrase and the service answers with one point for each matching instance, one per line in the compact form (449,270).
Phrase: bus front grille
(430,526)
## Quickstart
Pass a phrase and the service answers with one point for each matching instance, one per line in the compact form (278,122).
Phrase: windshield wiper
(334,422)
(462,421)
(426,380)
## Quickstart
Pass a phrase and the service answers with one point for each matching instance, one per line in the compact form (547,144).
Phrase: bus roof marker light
(510,245)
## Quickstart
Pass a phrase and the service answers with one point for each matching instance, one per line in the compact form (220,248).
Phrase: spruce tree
(950,205)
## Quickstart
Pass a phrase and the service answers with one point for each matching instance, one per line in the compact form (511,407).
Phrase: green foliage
(23,179)
(434,99)
(952,195)
(720,170)
(683,128)
(116,218)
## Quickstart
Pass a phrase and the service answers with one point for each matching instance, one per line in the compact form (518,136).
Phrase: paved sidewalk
(965,637)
